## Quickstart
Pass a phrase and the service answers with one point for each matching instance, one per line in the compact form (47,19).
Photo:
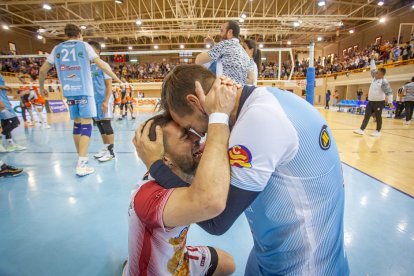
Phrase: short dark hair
(161,120)
(383,71)
(95,45)
(72,30)
(412,79)
(179,83)
(234,26)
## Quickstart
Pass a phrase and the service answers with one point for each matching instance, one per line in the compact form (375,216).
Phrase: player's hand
(2,106)
(105,105)
(149,151)
(221,97)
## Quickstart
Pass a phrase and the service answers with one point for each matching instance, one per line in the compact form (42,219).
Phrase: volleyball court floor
(54,223)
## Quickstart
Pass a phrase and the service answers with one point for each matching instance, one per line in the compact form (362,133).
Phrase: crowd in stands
(386,52)
(353,59)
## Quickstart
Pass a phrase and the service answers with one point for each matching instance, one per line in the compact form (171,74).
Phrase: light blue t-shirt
(282,147)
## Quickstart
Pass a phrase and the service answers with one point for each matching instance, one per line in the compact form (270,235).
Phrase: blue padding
(310,84)
(77,128)
(86,130)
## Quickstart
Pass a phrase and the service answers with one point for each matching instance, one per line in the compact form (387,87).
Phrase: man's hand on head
(149,151)
(221,98)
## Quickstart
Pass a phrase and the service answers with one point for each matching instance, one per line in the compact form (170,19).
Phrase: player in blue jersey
(72,60)
(102,85)
(8,117)
(286,174)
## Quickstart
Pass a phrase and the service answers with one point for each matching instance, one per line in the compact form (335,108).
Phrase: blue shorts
(84,107)
(104,115)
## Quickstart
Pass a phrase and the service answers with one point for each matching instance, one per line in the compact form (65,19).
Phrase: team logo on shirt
(324,138)
(80,54)
(240,157)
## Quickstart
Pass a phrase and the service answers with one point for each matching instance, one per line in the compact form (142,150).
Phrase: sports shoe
(45,126)
(2,149)
(106,157)
(359,131)
(100,153)
(406,122)
(133,118)
(7,170)
(120,119)
(376,134)
(15,147)
(83,170)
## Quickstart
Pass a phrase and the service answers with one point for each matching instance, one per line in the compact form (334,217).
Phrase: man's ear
(167,161)
(194,102)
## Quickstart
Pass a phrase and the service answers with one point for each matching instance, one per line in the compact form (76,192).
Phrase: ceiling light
(380,3)
(296,24)
(103,45)
(319,38)
(241,20)
(182,46)
(382,20)
(129,47)
(289,42)
(41,30)
(243,16)
(321,3)
(351,31)
(119,1)
(340,23)
(412,6)
(83,27)
(47,7)
(5,27)
(208,46)
(138,22)
(155,47)
(39,37)
(260,45)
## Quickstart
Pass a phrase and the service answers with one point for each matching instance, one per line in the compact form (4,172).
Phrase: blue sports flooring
(54,223)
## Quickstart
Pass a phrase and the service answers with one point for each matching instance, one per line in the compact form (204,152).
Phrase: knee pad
(99,125)
(77,128)
(86,130)
(107,127)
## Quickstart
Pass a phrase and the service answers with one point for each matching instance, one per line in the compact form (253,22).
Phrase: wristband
(218,118)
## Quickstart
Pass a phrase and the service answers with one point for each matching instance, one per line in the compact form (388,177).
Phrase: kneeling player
(159,218)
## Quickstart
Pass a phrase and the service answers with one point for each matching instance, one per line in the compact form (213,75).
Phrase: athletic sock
(82,161)
(111,149)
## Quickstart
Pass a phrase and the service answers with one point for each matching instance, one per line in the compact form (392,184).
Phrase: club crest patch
(240,157)
(324,138)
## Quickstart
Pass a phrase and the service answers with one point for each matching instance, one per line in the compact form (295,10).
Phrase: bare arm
(106,68)
(42,76)
(202,58)
(108,93)
(250,77)
(207,195)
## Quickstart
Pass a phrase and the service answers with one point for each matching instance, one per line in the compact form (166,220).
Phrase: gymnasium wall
(25,44)
(366,35)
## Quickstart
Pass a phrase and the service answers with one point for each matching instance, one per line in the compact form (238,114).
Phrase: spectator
(234,60)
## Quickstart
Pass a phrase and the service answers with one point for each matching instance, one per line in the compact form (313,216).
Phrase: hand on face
(221,97)
(149,151)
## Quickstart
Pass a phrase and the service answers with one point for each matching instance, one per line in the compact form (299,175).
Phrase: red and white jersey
(153,248)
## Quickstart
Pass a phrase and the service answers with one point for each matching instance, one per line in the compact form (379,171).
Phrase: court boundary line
(386,184)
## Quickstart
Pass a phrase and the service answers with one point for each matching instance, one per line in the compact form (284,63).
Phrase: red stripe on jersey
(192,249)
(192,257)
(145,257)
